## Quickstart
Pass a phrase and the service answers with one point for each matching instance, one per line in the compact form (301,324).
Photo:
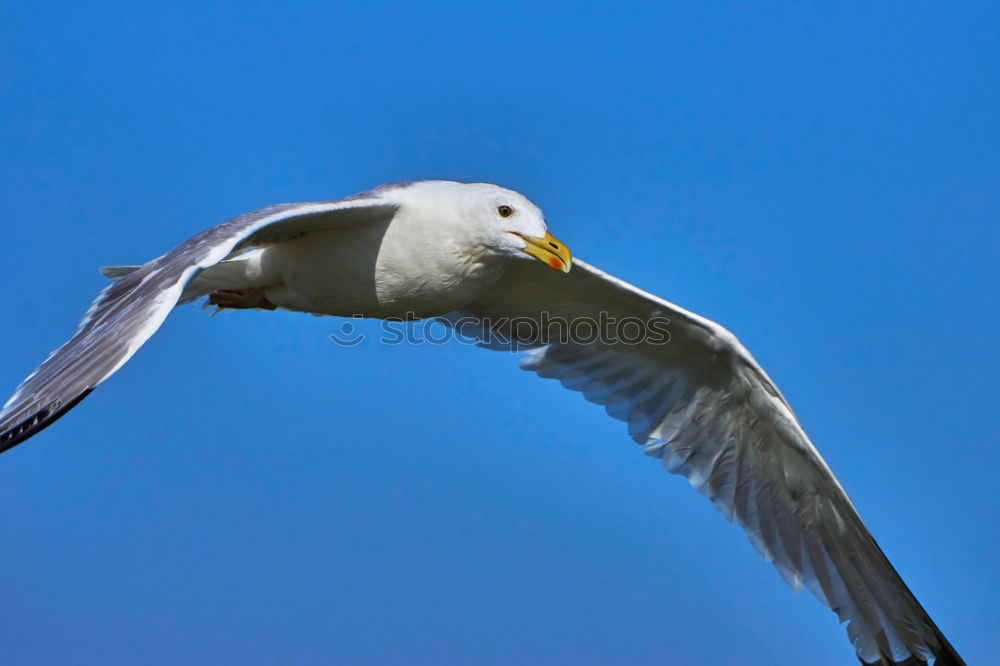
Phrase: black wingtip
(37,422)
(947,656)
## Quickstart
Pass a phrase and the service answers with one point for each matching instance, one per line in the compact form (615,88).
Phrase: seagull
(479,258)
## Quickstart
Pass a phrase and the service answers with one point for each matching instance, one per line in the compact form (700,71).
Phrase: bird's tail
(237,273)
(117,272)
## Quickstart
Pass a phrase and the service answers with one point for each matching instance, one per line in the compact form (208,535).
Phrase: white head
(502,220)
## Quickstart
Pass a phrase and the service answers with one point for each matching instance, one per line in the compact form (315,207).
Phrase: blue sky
(820,178)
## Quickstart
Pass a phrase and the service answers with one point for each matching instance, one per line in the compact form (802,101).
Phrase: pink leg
(249,298)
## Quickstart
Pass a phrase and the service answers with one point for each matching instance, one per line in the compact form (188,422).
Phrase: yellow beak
(549,250)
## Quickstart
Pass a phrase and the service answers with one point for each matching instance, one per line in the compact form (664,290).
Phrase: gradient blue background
(822,179)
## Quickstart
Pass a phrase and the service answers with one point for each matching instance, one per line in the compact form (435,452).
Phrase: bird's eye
(505,211)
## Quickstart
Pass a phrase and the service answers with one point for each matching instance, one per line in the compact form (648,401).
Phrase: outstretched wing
(129,310)
(695,398)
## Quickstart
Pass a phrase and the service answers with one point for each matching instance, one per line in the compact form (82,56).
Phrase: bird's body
(479,254)
(424,261)
(380,271)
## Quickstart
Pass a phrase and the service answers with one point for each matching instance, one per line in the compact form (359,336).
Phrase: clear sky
(822,179)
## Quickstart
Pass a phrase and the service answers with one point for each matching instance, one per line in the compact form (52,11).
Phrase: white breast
(405,268)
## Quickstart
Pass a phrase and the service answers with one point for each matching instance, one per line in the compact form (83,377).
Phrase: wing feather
(703,406)
(128,311)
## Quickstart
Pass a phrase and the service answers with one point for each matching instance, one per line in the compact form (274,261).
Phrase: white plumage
(482,254)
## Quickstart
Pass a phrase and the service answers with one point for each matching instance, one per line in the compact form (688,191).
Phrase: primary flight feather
(480,258)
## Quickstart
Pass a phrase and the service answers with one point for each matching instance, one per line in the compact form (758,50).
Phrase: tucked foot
(251,297)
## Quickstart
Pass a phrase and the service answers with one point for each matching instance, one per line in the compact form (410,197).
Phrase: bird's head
(510,224)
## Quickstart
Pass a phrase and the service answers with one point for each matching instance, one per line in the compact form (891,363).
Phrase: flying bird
(480,254)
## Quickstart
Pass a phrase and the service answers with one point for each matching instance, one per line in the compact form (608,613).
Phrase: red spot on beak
(555,263)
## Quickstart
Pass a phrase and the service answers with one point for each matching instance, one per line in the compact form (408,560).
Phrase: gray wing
(130,310)
(697,400)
